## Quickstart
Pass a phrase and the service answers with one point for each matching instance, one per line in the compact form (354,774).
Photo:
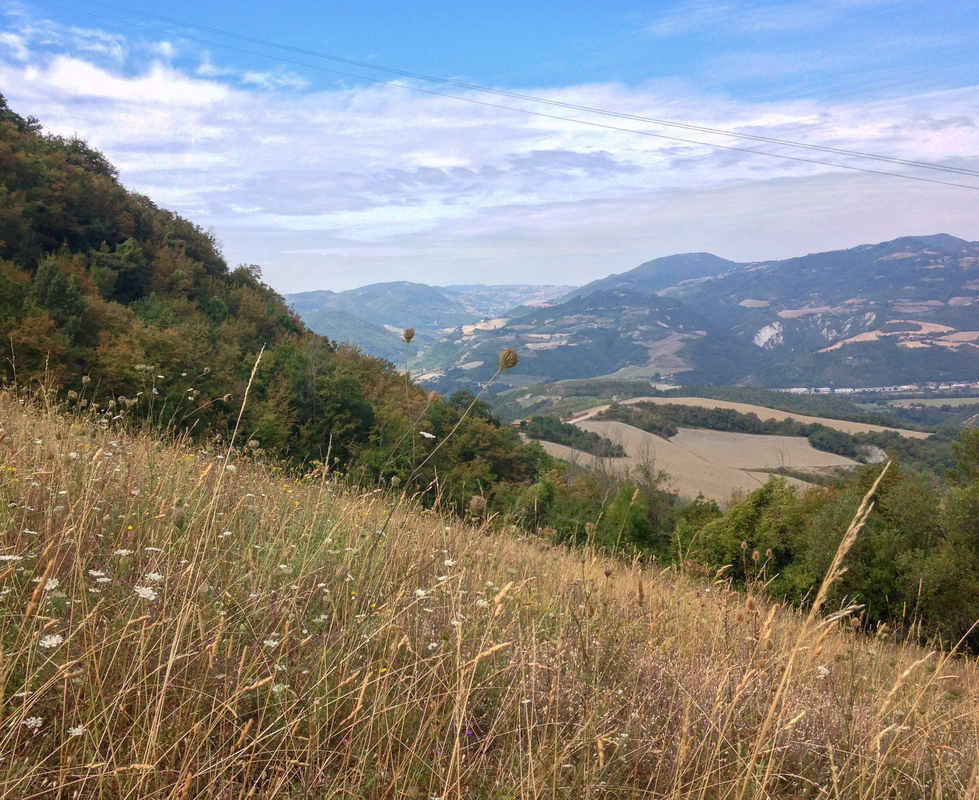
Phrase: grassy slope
(291,637)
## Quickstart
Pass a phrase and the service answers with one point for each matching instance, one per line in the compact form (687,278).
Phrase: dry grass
(173,628)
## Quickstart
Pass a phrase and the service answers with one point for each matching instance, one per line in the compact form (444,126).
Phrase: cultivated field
(760,411)
(183,622)
(715,464)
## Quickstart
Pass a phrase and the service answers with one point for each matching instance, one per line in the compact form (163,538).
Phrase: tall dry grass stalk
(268,647)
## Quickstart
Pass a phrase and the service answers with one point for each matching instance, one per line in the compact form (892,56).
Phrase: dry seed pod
(509,358)
(409,334)
(477,504)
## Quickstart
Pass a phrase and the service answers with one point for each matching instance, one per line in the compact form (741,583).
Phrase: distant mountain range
(898,312)
(373,317)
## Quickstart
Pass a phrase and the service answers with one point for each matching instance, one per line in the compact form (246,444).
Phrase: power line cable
(545,101)
(531,112)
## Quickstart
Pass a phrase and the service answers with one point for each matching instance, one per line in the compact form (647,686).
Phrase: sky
(311,139)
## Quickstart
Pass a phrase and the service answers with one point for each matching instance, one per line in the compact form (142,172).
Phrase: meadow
(180,620)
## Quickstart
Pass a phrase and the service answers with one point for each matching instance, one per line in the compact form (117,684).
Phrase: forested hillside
(109,301)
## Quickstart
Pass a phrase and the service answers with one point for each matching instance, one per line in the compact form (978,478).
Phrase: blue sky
(331,181)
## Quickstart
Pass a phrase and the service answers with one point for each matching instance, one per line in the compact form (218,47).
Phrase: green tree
(61,296)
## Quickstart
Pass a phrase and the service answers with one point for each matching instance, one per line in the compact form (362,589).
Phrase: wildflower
(449,562)
(51,641)
(33,723)
(9,557)
(103,579)
(822,672)
(156,577)
(482,603)
(146,592)
(96,573)
(433,645)
(420,593)
(122,553)
(426,434)
(271,642)
(231,467)
(279,688)
(77,731)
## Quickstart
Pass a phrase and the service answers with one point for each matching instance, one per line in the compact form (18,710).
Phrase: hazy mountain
(343,327)
(602,333)
(897,312)
(911,304)
(662,274)
(373,316)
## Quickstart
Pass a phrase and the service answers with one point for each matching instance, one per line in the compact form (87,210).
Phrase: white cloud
(332,189)
(15,45)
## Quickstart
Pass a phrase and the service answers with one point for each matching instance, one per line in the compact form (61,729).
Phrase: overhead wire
(530,98)
(546,101)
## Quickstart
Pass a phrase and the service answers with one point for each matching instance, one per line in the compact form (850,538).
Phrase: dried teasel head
(509,358)
(409,334)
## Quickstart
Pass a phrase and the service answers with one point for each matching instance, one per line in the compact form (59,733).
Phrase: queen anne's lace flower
(147,592)
(51,641)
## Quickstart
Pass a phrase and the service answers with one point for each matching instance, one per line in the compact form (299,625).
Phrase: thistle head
(509,358)
(409,334)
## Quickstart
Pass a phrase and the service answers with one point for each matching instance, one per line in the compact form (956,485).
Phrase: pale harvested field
(761,411)
(718,465)
(748,451)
